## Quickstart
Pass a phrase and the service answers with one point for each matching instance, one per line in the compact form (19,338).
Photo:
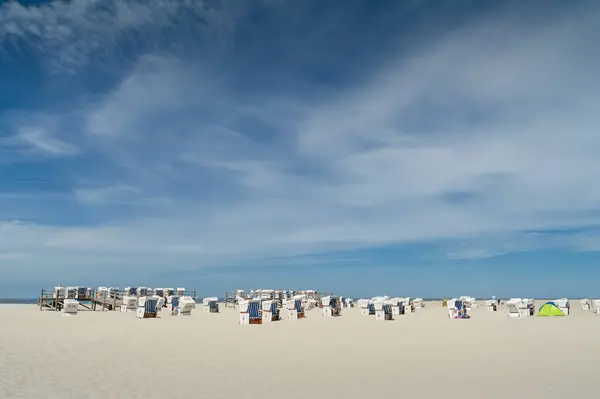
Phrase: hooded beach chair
(457,309)
(82,293)
(418,303)
(173,303)
(586,304)
(383,311)
(299,307)
(331,306)
(185,306)
(335,304)
(295,308)
(210,305)
(254,312)
(160,302)
(129,303)
(371,309)
(147,308)
(270,312)
(491,305)
(513,310)
(71,293)
(243,305)
(395,304)
(564,305)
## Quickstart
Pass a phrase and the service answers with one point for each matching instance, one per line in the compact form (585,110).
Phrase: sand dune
(426,355)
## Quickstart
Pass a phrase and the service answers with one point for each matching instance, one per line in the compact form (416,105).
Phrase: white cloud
(102,195)
(485,133)
(11,256)
(73,34)
(39,140)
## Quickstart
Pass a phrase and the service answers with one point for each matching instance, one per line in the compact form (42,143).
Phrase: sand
(425,354)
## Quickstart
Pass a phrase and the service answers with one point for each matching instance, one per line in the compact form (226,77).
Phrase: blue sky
(402,147)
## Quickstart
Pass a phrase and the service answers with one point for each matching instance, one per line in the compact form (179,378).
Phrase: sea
(17,301)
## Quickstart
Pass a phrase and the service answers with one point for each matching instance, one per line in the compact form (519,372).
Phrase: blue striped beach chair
(71,293)
(299,308)
(147,308)
(336,306)
(270,311)
(173,303)
(371,309)
(81,291)
(254,312)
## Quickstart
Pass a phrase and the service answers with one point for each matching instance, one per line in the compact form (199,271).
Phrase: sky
(422,148)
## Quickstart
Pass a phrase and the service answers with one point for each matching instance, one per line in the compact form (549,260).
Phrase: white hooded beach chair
(326,310)
(419,303)
(379,313)
(270,311)
(513,310)
(409,306)
(295,308)
(310,303)
(70,292)
(586,304)
(331,306)
(185,306)
(160,302)
(250,312)
(452,311)
(383,311)
(147,308)
(70,307)
(59,292)
(395,306)
(564,305)
(457,309)
(243,305)
(210,304)
(129,303)
(173,303)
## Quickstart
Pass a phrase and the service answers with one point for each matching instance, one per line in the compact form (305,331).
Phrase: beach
(424,354)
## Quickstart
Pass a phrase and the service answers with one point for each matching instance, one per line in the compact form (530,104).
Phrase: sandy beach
(425,354)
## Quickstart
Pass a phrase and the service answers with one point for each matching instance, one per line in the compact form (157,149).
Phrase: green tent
(550,309)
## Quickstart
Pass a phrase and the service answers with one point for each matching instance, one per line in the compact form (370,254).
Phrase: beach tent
(550,309)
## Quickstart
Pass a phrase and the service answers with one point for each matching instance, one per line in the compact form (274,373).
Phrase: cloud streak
(40,141)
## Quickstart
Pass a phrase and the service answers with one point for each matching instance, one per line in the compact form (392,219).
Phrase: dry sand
(425,355)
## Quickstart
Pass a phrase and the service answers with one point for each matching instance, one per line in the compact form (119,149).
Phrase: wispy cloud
(483,132)
(39,140)
(11,256)
(73,34)
(102,195)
